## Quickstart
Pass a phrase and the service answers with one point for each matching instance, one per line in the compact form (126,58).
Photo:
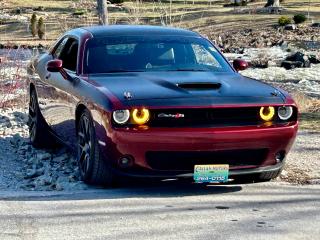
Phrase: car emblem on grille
(127,95)
(165,115)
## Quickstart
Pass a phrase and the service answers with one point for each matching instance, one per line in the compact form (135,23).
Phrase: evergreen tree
(33,25)
(40,27)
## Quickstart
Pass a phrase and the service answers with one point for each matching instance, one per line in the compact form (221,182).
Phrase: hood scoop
(199,86)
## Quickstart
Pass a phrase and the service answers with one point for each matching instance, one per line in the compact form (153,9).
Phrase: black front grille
(185,161)
(247,116)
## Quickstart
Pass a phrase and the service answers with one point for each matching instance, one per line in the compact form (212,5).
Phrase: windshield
(142,54)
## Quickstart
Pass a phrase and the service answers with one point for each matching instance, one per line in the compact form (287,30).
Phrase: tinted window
(137,53)
(60,47)
(69,53)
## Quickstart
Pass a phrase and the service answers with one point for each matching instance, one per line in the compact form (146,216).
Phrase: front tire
(256,178)
(93,168)
(268,176)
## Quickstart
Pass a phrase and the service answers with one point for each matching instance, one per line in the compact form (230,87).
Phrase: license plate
(211,173)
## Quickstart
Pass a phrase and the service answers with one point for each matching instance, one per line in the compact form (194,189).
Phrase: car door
(59,102)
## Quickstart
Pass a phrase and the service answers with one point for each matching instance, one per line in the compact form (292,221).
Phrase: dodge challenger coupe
(159,102)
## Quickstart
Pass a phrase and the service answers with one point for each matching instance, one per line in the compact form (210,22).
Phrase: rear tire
(93,168)
(38,131)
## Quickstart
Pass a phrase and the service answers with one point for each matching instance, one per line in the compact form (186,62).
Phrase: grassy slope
(199,16)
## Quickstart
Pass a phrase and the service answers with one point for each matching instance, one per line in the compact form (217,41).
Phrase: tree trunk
(102,12)
(276,3)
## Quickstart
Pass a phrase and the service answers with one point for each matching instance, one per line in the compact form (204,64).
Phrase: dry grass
(57,4)
(305,103)
(197,15)
(309,109)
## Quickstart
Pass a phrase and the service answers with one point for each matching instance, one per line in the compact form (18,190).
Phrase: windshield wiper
(122,70)
(187,70)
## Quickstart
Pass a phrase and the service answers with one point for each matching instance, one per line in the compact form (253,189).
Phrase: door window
(60,47)
(67,51)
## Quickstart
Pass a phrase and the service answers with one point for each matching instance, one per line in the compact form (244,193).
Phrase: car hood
(194,87)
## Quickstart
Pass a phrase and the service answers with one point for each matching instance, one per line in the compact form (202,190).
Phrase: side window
(69,54)
(60,47)
(204,57)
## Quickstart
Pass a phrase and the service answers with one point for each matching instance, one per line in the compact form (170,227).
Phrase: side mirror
(54,65)
(240,64)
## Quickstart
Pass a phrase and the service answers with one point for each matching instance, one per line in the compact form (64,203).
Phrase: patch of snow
(274,53)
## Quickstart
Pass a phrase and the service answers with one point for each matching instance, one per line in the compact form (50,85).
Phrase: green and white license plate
(211,173)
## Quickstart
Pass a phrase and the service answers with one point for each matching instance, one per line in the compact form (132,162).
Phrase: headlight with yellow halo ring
(140,116)
(267,113)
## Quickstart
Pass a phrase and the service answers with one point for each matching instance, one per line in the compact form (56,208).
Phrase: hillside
(203,16)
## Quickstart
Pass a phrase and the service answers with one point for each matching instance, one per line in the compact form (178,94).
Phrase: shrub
(236,4)
(299,18)
(284,21)
(79,12)
(33,25)
(116,1)
(244,3)
(40,26)
(39,8)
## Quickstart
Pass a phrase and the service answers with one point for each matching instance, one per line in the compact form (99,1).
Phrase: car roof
(137,30)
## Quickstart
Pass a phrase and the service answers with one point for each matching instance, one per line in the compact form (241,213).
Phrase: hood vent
(200,86)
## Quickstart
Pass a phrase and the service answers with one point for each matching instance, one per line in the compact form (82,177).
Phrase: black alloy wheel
(38,132)
(94,169)
(84,145)
(32,117)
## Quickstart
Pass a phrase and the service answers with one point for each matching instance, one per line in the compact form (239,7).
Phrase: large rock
(259,63)
(297,60)
(314,59)
(291,65)
(316,25)
(290,27)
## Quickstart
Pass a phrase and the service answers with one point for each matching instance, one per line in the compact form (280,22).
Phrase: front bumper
(172,174)
(137,142)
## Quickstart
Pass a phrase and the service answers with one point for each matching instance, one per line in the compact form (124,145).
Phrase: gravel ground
(303,162)
(24,168)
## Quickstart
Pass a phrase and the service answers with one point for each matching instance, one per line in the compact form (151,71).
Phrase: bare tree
(102,12)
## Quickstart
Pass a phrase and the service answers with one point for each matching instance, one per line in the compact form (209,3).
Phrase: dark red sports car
(157,102)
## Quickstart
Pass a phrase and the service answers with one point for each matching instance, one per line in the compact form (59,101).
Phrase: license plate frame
(211,173)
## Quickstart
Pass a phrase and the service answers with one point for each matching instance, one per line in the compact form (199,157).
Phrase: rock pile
(299,60)
(237,41)
(54,169)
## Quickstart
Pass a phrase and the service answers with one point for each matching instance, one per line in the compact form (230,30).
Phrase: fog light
(126,161)
(280,156)
(267,113)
